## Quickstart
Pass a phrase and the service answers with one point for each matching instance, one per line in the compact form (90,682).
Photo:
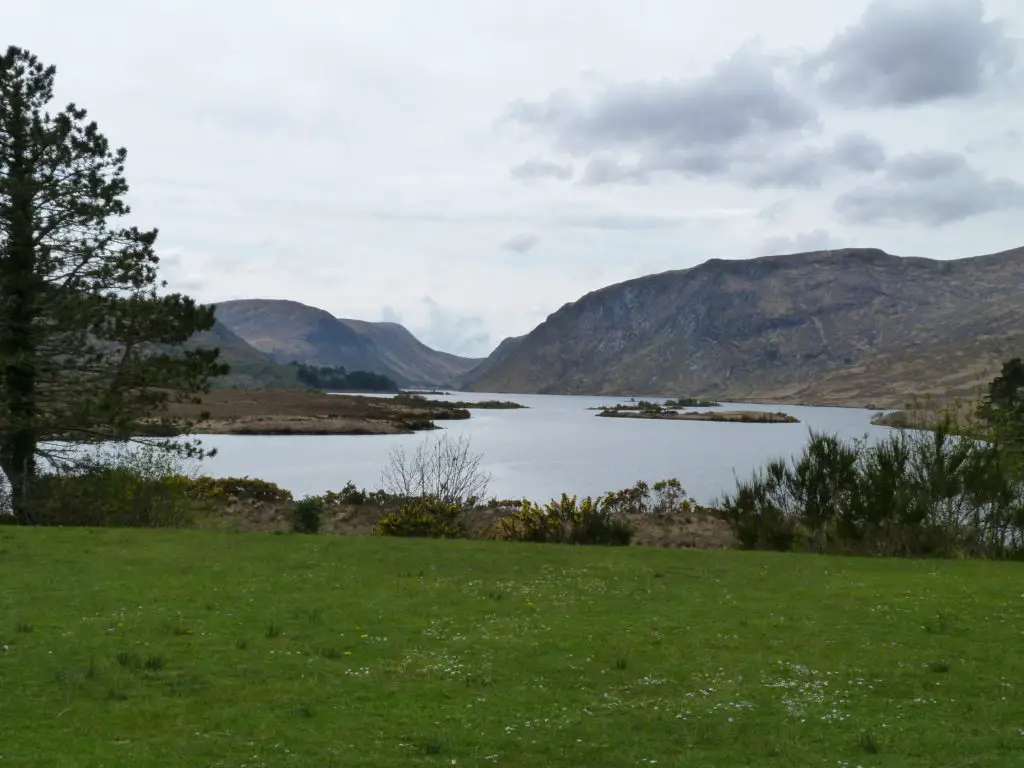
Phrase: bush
(143,487)
(306,514)
(914,494)
(566,521)
(425,517)
(665,497)
(444,469)
(238,488)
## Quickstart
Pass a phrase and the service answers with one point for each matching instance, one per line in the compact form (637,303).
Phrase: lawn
(190,648)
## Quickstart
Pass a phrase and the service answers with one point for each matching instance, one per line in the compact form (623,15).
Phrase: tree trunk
(19,304)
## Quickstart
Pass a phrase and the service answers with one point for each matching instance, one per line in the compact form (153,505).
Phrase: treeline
(337,378)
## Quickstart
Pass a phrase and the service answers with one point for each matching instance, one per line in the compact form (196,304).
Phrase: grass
(341,651)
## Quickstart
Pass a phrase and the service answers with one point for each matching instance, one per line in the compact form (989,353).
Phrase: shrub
(425,517)
(566,521)
(665,497)
(444,469)
(913,494)
(306,514)
(238,488)
(140,487)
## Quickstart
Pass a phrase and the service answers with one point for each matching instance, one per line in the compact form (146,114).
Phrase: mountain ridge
(797,326)
(289,331)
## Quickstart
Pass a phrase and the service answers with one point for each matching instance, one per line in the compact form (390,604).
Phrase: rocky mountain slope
(852,326)
(250,368)
(288,331)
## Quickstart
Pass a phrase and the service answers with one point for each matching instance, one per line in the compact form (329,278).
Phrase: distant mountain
(288,331)
(851,326)
(250,368)
(410,358)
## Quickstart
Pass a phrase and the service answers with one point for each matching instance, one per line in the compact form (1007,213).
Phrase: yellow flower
(347,653)
(363,637)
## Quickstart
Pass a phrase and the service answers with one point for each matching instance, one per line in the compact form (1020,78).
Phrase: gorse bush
(913,494)
(238,488)
(566,521)
(306,514)
(425,517)
(663,498)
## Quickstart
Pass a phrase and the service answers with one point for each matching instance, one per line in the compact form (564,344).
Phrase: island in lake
(292,412)
(411,397)
(648,410)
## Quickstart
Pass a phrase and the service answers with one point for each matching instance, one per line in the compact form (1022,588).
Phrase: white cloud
(358,155)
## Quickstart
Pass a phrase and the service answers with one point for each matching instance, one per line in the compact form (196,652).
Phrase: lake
(553,446)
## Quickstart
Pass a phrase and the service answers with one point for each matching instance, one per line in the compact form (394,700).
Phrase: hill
(250,368)
(289,331)
(851,326)
(410,358)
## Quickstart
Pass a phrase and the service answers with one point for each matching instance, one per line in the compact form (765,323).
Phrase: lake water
(555,445)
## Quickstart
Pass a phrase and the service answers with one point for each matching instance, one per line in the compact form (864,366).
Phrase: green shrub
(306,514)
(142,487)
(914,494)
(238,488)
(665,497)
(566,521)
(424,517)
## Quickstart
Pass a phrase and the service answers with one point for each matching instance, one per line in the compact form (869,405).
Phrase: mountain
(289,331)
(851,326)
(410,358)
(250,368)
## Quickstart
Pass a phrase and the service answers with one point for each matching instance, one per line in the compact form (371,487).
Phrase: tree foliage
(1003,405)
(326,377)
(89,346)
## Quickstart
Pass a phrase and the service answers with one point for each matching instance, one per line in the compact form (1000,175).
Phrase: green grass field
(188,648)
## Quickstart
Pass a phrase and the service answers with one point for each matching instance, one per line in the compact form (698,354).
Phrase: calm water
(556,445)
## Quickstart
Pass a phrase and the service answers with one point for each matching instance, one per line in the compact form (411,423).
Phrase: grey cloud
(619,221)
(1009,140)
(536,168)
(521,243)
(932,188)
(907,52)
(806,167)
(802,242)
(741,97)
(454,332)
(859,152)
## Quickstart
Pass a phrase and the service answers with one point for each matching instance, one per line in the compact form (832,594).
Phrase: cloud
(933,188)
(802,242)
(389,314)
(535,169)
(909,52)
(521,243)
(804,167)
(741,97)
(452,331)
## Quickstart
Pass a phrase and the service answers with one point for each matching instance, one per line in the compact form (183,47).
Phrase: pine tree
(89,345)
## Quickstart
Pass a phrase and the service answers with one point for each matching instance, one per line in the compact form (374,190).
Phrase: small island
(690,402)
(409,397)
(291,412)
(648,410)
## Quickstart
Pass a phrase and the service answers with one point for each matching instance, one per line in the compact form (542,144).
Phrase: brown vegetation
(699,530)
(281,412)
(745,417)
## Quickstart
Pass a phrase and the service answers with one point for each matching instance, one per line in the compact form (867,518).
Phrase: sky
(466,167)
